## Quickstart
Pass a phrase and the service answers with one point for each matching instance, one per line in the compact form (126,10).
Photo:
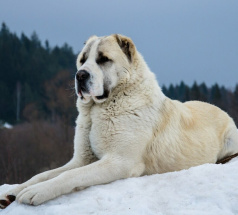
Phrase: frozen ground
(207,189)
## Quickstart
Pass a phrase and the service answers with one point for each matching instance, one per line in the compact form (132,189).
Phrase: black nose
(82,75)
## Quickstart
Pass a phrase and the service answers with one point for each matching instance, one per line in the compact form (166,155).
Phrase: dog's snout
(82,75)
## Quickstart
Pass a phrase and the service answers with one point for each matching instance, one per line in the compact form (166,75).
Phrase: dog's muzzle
(82,76)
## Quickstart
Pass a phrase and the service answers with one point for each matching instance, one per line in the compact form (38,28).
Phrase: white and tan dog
(127,127)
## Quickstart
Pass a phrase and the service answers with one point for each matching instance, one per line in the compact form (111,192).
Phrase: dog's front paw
(34,195)
(10,196)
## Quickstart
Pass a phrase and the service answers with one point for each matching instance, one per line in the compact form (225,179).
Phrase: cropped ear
(126,45)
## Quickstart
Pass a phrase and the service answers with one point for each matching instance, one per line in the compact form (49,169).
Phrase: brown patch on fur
(102,59)
(11,198)
(85,54)
(126,45)
(226,159)
(83,59)
(4,203)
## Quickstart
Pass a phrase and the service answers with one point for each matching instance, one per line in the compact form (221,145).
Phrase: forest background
(37,97)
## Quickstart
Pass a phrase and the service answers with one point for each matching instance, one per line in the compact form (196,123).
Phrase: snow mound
(203,190)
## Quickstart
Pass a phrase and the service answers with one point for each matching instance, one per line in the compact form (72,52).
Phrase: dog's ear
(126,45)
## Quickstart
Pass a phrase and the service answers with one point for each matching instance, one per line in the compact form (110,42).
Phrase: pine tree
(195,92)
(171,92)
(204,94)
(183,92)
(215,97)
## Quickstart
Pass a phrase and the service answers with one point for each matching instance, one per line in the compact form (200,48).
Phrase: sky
(181,40)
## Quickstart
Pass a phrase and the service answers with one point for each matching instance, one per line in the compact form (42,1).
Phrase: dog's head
(103,63)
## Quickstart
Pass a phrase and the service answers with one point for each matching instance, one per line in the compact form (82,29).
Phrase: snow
(7,125)
(203,190)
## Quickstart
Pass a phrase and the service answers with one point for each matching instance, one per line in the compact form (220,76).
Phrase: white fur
(137,130)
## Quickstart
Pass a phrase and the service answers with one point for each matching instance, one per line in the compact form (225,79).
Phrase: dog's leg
(100,172)
(10,196)
(84,159)
(82,156)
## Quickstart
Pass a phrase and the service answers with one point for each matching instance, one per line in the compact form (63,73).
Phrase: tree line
(30,74)
(37,96)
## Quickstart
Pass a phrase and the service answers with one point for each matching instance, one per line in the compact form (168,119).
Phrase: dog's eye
(102,60)
(83,59)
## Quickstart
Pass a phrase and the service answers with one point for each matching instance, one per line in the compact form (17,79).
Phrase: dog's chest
(100,134)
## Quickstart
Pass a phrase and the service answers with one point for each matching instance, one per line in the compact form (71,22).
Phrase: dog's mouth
(79,91)
(80,94)
(104,95)
(84,94)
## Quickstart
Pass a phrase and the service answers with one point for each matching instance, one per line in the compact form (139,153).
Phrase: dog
(127,127)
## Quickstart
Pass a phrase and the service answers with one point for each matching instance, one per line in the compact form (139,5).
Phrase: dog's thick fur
(127,127)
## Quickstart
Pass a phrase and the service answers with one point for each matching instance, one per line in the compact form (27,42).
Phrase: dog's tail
(226,159)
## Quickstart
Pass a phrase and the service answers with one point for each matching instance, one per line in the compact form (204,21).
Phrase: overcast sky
(189,40)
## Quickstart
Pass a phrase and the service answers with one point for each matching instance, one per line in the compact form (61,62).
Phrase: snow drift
(207,189)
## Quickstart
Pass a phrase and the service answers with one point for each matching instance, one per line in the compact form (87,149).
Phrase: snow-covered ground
(5,125)
(202,190)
